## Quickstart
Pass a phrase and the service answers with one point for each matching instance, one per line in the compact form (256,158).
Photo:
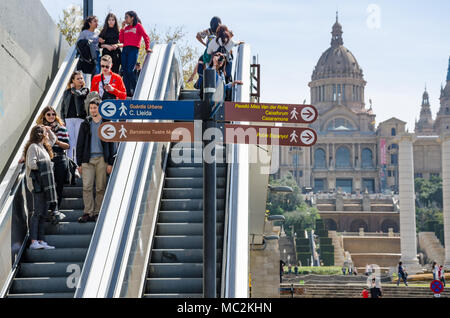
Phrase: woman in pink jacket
(130,35)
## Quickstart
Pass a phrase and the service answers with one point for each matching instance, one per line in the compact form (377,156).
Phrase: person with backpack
(40,181)
(108,84)
(88,48)
(73,111)
(109,41)
(49,118)
(130,36)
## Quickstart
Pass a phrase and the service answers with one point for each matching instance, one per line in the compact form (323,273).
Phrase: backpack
(206,56)
(86,62)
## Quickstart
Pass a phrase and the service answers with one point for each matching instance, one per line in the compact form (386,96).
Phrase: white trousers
(73,127)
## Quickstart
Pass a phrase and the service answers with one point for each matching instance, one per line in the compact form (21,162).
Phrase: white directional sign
(108,108)
(108,131)
(309,114)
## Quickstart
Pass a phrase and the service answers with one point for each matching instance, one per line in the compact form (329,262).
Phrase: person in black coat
(109,41)
(95,159)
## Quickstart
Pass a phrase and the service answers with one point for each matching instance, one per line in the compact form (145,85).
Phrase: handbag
(70,176)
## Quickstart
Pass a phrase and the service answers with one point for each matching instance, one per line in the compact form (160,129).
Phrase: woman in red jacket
(131,34)
(109,85)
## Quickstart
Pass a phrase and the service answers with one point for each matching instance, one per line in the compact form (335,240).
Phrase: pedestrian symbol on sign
(294,136)
(123,132)
(294,113)
(123,110)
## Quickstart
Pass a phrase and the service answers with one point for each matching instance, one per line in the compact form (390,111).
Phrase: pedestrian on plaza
(365,293)
(40,181)
(343,270)
(73,112)
(355,271)
(435,269)
(109,41)
(441,274)
(375,288)
(289,269)
(49,118)
(95,160)
(296,270)
(130,36)
(350,270)
(402,274)
(108,84)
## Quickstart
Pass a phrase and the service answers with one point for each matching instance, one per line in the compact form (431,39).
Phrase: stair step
(191,181)
(175,285)
(41,285)
(72,215)
(179,270)
(56,255)
(69,241)
(168,229)
(72,192)
(185,216)
(192,172)
(189,193)
(42,295)
(50,269)
(67,228)
(72,203)
(180,255)
(187,204)
(182,242)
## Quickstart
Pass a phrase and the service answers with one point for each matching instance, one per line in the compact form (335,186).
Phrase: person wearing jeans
(130,35)
(73,111)
(95,159)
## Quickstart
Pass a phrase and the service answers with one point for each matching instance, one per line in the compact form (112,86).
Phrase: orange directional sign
(270,135)
(162,132)
(280,113)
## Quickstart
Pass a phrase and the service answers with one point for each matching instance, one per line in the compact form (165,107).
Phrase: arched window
(367,158)
(319,158)
(343,158)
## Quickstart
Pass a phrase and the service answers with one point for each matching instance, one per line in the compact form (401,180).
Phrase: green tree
(70,23)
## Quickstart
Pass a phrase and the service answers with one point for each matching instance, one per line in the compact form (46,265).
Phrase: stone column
(353,156)
(408,240)
(327,154)
(445,141)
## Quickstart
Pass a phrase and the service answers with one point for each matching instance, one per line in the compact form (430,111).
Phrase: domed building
(351,155)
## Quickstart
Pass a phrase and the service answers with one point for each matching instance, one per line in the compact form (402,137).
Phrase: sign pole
(209,191)
(88,8)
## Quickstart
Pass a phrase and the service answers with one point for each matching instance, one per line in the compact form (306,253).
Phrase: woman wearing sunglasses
(49,118)
(219,63)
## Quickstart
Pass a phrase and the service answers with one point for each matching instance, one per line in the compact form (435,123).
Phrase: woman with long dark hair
(219,63)
(49,118)
(131,35)
(89,32)
(109,39)
(73,111)
(38,154)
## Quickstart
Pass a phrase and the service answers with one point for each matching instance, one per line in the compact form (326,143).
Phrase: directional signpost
(123,131)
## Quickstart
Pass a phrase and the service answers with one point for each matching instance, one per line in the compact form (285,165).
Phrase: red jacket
(131,36)
(116,82)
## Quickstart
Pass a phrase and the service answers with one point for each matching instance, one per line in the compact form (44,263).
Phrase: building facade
(352,154)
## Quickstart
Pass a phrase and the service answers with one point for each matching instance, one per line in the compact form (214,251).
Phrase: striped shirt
(62,135)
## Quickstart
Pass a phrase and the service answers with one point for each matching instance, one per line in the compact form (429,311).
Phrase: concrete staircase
(354,291)
(53,273)
(339,252)
(430,244)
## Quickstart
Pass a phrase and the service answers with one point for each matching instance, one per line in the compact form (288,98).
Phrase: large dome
(337,61)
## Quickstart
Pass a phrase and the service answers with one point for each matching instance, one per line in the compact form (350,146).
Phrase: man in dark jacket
(95,159)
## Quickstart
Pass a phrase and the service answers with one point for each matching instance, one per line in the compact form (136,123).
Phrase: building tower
(424,126)
(442,123)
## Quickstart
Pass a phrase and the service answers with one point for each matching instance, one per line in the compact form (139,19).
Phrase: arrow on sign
(307,137)
(108,109)
(108,131)
(308,114)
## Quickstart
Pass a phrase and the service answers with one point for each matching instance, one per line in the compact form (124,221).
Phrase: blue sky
(400,45)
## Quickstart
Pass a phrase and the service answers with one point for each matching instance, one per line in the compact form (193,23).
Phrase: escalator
(176,261)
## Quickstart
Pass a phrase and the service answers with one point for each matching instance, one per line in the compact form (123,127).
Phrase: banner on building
(383,151)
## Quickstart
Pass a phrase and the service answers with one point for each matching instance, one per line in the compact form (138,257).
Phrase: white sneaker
(46,246)
(36,246)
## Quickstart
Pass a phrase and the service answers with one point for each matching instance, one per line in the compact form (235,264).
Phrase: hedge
(327,258)
(322,233)
(304,258)
(325,241)
(303,248)
(301,241)
(326,248)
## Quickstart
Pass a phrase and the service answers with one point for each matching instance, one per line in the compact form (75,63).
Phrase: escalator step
(73,192)
(57,255)
(72,203)
(192,182)
(180,255)
(187,204)
(50,269)
(169,229)
(173,296)
(185,216)
(69,241)
(67,228)
(192,172)
(179,270)
(41,285)
(189,193)
(72,215)
(42,295)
